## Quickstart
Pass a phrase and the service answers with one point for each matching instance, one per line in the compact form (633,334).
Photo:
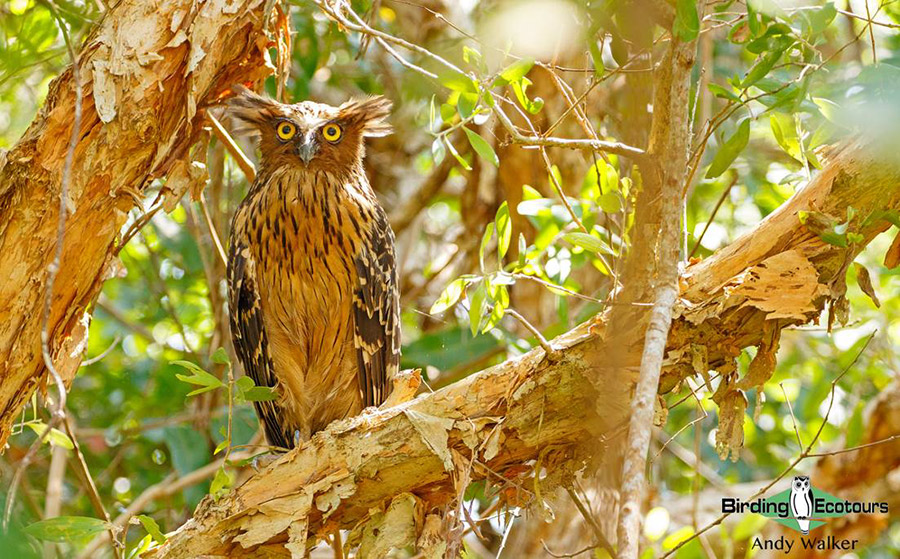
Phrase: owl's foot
(297,438)
(260,461)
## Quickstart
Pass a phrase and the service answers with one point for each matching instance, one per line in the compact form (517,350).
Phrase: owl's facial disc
(307,146)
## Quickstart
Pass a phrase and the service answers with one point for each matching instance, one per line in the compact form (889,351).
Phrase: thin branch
(235,150)
(105,352)
(870,21)
(169,486)
(580,144)
(85,474)
(854,448)
(616,148)
(793,417)
(548,349)
(212,230)
(602,540)
(871,31)
(803,455)
(712,216)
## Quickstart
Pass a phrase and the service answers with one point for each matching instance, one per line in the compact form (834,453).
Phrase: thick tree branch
(404,461)
(148,71)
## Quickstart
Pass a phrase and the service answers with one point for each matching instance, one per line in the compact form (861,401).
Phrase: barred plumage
(311,271)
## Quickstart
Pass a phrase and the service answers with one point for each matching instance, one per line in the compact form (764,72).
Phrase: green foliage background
(811,73)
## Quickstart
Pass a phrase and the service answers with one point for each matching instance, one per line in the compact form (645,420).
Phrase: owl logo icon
(801,502)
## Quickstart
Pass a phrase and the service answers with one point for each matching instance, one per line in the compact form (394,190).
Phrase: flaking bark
(148,70)
(498,423)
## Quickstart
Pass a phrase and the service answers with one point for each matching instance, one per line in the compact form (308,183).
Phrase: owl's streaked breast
(304,231)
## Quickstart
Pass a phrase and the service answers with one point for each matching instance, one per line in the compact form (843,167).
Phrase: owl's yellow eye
(332,132)
(285,130)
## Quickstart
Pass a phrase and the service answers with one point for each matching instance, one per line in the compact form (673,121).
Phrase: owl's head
(312,136)
(801,483)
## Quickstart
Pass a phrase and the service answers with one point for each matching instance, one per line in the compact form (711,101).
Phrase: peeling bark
(497,424)
(147,72)
(410,457)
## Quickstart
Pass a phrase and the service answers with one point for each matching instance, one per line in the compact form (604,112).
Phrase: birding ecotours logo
(802,507)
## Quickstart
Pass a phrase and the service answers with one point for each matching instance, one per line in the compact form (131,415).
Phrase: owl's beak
(307,148)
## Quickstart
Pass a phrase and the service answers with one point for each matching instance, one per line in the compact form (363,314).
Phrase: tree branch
(404,461)
(141,115)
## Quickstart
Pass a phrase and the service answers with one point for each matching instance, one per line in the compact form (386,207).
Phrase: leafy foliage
(506,229)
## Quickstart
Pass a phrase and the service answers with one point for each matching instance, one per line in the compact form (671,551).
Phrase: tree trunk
(146,74)
(413,460)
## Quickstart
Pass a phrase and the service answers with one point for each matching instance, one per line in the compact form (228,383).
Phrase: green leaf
(221,357)
(835,239)
(448,111)
(438,151)
(244,383)
(687,21)
(588,242)
(752,19)
(523,248)
(55,437)
(481,147)
(476,307)
(597,59)
(830,110)
(457,81)
(520,88)
(449,296)
(786,134)
(222,446)
(466,104)
(730,150)
(459,159)
(473,57)
(504,230)
(514,72)
(855,427)
(189,451)
(761,68)
(66,528)
(220,483)
(142,547)
(610,202)
(723,93)
(260,394)
(818,17)
(488,233)
(197,377)
(500,297)
(152,528)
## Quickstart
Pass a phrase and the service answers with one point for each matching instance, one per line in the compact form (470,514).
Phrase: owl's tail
(804,525)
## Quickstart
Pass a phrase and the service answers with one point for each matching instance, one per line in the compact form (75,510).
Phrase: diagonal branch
(404,461)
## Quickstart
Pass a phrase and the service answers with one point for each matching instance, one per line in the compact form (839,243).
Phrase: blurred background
(817,71)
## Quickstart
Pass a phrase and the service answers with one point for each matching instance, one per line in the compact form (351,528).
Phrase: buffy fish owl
(312,285)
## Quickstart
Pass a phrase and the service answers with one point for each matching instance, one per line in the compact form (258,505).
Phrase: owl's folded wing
(376,310)
(249,336)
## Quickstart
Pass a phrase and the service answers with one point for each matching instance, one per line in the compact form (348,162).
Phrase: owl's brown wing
(376,313)
(248,333)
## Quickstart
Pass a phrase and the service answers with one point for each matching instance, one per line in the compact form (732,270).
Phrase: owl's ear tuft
(251,108)
(370,114)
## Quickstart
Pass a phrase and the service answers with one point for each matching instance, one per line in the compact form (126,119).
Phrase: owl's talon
(297,439)
(261,461)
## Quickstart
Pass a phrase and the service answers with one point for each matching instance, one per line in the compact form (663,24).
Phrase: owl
(312,282)
(801,502)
